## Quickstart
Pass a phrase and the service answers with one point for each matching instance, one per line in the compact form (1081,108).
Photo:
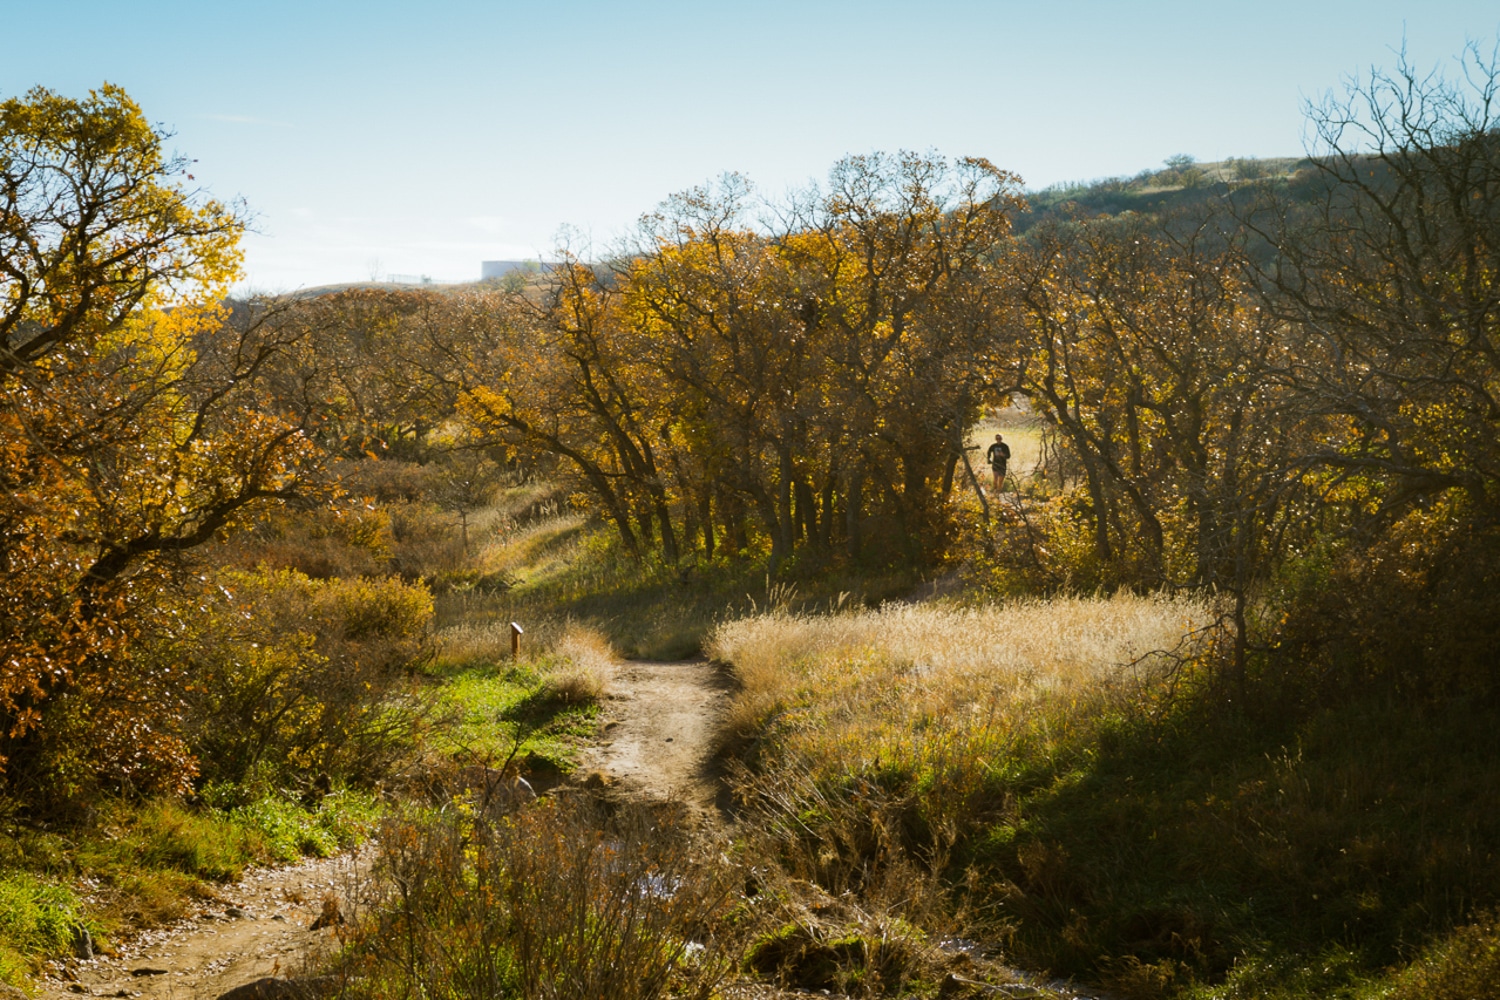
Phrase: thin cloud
(492,224)
(246,120)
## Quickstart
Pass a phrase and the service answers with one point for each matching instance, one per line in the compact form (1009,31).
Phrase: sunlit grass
(584,664)
(535,551)
(544,705)
(497,715)
(1118,816)
(567,571)
(904,668)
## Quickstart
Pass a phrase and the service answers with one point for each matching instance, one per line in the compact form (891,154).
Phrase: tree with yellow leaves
(724,375)
(130,432)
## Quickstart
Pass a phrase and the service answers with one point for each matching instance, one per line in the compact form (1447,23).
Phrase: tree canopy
(131,429)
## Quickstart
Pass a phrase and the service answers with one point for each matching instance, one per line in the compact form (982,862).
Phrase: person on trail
(999,456)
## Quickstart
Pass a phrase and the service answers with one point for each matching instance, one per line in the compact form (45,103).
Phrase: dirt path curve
(260,926)
(659,724)
(660,720)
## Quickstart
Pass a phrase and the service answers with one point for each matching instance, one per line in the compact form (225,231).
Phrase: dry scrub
(487,641)
(582,675)
(875,745)
(557,900)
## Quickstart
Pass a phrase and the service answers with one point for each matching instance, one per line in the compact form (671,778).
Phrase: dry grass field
(876,680)
(1031,774)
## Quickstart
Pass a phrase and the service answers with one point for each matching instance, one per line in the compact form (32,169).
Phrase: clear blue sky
(423,138)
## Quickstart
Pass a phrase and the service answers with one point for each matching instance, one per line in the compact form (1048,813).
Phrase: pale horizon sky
(379,137)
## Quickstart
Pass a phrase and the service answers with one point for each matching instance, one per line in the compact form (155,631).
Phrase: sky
(381,138)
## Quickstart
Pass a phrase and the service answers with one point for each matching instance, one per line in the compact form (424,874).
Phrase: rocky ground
(271,923)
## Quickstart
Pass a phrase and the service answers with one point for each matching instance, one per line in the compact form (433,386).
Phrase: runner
(998,455)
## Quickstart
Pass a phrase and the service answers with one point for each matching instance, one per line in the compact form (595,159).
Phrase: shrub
(304,681)
(1417,612)
(346,539)
(555,900)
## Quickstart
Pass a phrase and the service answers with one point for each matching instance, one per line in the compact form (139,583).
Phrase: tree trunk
(825,521)
(669,548)
(786,527)
(706,515)
(853,502)
(766,506)
(807,514)
(732,509)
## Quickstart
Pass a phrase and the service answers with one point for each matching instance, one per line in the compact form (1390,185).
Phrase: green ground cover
(497,711)
(142,863)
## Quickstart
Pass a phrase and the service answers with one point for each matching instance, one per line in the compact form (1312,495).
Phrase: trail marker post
(515,641)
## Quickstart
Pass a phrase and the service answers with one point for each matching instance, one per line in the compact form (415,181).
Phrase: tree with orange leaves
(130,432)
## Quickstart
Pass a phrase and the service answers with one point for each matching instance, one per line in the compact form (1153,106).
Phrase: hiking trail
(657,729)
(657,734)
(259,926)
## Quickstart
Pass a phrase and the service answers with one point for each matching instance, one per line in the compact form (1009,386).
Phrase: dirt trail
(260,926)
(659,725)
(659,722)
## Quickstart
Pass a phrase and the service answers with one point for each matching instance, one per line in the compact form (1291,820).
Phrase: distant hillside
(1181,183)
(389,286)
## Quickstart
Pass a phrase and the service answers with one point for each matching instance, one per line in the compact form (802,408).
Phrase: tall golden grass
(586,663)
(878,741)
(879,677)
(530,549)
(487,640)
(577,660)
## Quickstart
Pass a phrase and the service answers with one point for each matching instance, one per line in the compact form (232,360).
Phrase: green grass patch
(499,711)
(287,831)
(38,916)
(136,865)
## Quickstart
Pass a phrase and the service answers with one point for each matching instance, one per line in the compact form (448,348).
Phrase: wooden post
(515,641)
